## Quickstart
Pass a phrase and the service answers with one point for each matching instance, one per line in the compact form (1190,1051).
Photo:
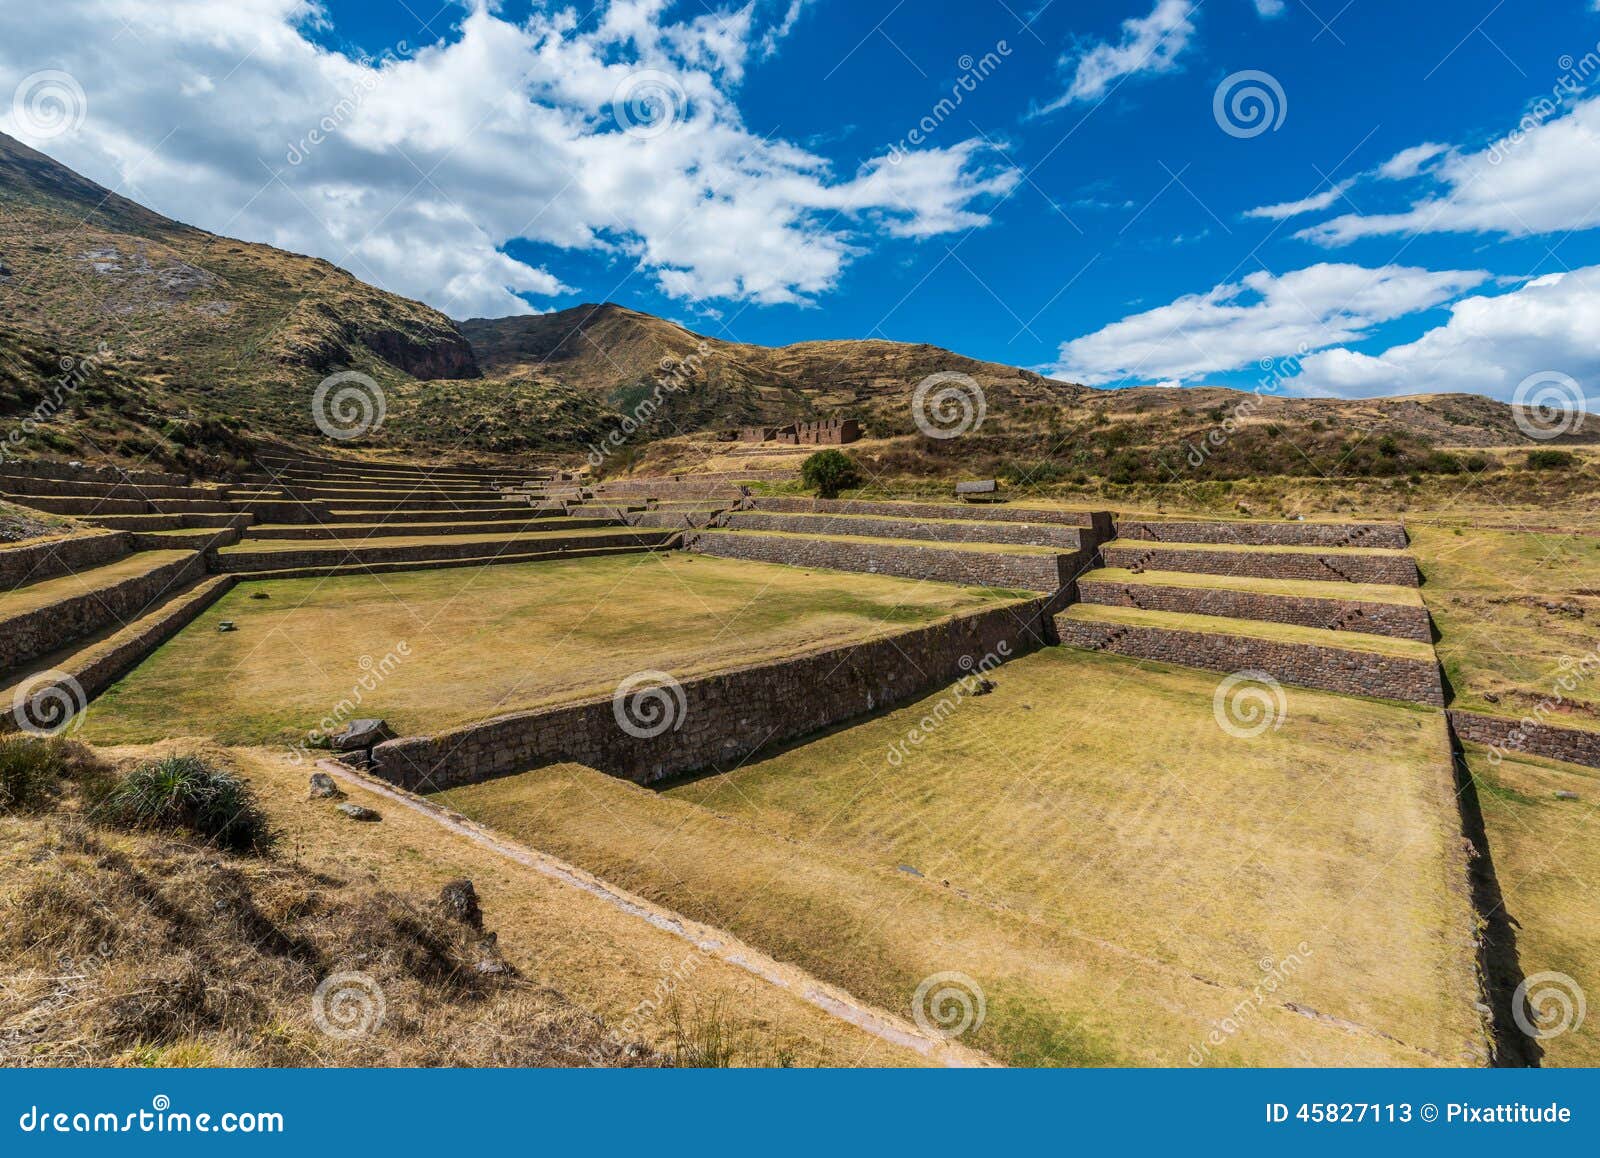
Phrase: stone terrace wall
(376,552)
(1268,534)
(104,474)
(945,565)
(1099,521)
(1400,570)
(1022,534)
(1335,614)
(1357,673)
(43,631)
(1574,745)
(722,719)
(30,564)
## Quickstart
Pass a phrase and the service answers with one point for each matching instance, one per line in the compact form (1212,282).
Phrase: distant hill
(198,345)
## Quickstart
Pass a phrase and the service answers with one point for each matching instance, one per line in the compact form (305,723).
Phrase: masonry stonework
(32,563)
(1019,534)
(1399,570)
(1099,521)
(945,565)
(1360,616)
(722,719)
(1572,745)
(1285,534)
(1359,673)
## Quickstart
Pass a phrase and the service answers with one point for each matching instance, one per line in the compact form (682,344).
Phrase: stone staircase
(1334,606)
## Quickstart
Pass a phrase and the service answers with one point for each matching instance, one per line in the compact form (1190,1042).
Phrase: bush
(1550,460)
(185,792)
(33,767)
(830,471)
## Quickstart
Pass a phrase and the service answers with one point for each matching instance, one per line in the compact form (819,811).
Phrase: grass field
(1510,607)
(1126,882)
(1547,859)
(485,641)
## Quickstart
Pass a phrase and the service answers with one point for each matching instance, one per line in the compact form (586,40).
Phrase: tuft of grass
(186,792)
(33,767)
(703,1037)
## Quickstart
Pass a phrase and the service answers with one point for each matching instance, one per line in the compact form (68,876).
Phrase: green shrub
(830,471)
(186,792)
(1550,460)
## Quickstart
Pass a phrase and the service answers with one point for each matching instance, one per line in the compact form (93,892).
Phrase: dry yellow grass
(1547,860)
(1515,612)
(1085,842)
(336,893)
(486,641)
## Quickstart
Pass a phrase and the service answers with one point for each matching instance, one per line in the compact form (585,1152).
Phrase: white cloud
(1408,163)
(1271,8)
(1150,43)
(1488,345)
(1539,178)
(1262,316)
(431,161)
(1316,203)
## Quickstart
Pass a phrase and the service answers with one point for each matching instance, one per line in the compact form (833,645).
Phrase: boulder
(357,812)
(324,788)
(359,734)
(460,901)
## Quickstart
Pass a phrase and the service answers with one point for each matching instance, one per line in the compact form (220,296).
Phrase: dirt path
(830,999)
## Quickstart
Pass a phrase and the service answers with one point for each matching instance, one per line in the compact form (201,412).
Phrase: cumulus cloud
(1538,178)
(1488,346)
(1150,43)
(1263,316)
(417,168)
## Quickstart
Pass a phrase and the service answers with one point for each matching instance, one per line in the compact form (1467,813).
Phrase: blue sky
(1418,212)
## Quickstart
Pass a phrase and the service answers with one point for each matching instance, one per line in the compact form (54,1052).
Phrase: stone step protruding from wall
(1233,647)
(1264,534)
(1349,566)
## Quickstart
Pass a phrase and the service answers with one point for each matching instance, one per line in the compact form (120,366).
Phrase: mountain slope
(614,351)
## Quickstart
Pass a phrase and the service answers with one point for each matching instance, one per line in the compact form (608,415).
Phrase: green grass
(1547,860)
(1298,588)
(1103,859)
(1516,613)
(486,641)
(1253,629)
(51,591)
